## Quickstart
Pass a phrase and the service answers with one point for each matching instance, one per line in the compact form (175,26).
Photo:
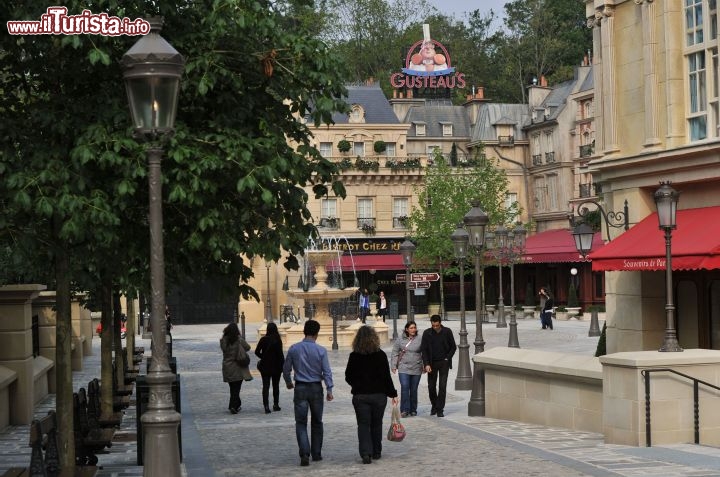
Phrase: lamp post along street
(407,249)
(475,222)
(152,71)
(517,245)
(666,200)
(501,236)
(268,305)
(463,381)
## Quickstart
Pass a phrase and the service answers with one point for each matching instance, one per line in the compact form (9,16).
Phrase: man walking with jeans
(437,348)
(310,362)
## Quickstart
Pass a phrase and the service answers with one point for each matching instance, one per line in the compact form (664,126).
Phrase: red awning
(553,246)
(376,261)
(695,244)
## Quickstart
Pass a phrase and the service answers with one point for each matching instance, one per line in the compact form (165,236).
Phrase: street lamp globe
(583,235)
(407,249)
(475,222)
(666,200)
(460,239)
(501,237)
(152,71)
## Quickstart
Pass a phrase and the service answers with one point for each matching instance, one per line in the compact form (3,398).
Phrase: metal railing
(537,159)
(586,150)
(696,401)
(549,157)
(585,190)
(331,223)
(506,140)
(400,222)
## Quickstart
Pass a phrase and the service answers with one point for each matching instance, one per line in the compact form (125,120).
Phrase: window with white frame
(390,148)
(419,129)
(365,208)
(552,192)
(587,109)
(359,148)
(447,129)
(511,198)
(697,120)
(326,149)
(693,22)
(328,208)
(401,210)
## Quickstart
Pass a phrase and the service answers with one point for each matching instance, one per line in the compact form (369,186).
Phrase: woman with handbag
(406,359)
(235,363)
(368,374)
(270,351)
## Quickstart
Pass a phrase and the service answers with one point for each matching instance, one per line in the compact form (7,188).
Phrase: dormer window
(357,114)
(420,129)
(447,129)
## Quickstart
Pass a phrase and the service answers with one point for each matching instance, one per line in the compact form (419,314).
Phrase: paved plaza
(251,443)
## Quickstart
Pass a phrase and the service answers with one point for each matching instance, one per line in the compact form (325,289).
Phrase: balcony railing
(330,223)
(506,141)
(586,150)
(585,190)
(537,159)
(366,224)
(549,157)
(400,222)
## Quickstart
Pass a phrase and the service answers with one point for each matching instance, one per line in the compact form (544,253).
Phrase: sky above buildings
(459,7)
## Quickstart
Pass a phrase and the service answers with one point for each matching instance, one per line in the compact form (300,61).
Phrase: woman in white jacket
(407,360)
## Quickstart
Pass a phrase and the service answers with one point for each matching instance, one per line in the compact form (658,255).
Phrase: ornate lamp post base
(160,440)
(476,406)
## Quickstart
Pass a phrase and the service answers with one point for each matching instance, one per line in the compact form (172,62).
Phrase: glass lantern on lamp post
(475,222)
(666,200)
(463,381)
(151,70)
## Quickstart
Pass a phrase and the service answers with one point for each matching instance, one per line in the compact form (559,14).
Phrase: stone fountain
(321,295)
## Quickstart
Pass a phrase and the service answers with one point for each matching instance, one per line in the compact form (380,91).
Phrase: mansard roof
(492,114)
(435,113)
(377,108)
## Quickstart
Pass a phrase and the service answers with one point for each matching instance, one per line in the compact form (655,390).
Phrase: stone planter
(433,309)
(490,310)
(528,312)
(561,315)
(573,311)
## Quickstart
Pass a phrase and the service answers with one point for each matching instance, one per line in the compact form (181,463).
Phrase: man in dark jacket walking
(437,347)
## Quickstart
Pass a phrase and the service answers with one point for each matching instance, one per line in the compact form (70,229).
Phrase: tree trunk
(443,312)
(130,329)
(117,342)
(63,364)
(106,394)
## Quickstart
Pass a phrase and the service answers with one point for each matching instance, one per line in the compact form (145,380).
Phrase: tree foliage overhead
(446,197)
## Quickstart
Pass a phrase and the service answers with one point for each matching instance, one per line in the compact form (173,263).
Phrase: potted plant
(572,304)
(529,304)
(561,313)
(344,145)
(379,146)
(369,229)
(491,300)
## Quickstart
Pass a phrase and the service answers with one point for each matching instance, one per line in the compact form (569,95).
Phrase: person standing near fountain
(270,351)
(310,363)
(364,304)
(382,306)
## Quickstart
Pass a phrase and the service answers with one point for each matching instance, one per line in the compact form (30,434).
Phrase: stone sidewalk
(251,443)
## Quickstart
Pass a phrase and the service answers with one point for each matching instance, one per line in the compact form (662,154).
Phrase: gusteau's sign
(359,246)
(425,67)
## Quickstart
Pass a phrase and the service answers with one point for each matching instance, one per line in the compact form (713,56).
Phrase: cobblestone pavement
(251,443)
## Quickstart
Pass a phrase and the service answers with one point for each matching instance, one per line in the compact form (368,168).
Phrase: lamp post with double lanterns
(152,71)
(407,249)
(475,222)
(463,381)
(666,200)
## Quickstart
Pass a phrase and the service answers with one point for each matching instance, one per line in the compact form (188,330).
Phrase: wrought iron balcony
(366,224)
(586,150)
(537,159)
(400,222)
(549,157)
(506,141)
(331,223)
(585,190)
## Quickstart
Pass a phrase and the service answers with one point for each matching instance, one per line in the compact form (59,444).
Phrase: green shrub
(572,296)
(344,145)
(379,147)
(601,348)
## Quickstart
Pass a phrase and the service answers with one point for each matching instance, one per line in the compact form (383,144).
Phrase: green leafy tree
(74,189)
(444,200)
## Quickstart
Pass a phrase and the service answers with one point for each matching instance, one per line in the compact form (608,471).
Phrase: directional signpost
(414,285)
(419,277)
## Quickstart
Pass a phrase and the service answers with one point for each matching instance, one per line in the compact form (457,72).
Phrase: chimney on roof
(543,81)
(370,81)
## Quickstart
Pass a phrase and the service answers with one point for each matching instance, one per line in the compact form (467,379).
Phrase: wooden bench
(89,439)
(43,437)
(120,389)
(95,407)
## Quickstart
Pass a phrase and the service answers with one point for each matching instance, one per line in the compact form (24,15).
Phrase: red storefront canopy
(554,246)
(375,261)
(695,244)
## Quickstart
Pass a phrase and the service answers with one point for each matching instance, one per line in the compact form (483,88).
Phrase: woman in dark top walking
(270,351)
(368,374)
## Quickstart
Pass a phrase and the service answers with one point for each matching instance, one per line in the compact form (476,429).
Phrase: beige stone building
(657,120)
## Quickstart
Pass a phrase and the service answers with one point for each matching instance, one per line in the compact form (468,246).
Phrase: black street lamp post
(516,245)
(501,242)
(475,222)
(407,249)
(666,200)
(152,71)
(463,381)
